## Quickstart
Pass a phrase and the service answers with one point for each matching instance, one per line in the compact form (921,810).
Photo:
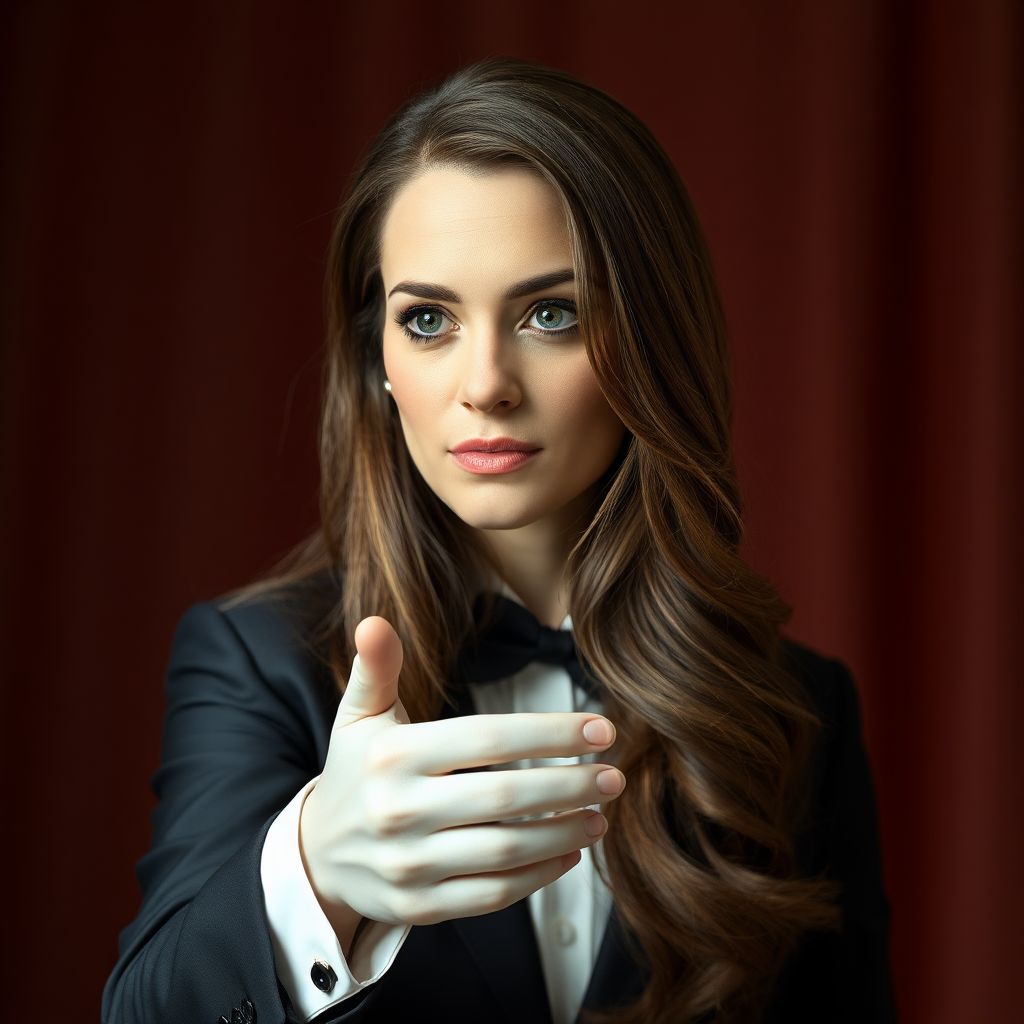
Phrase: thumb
(373,684)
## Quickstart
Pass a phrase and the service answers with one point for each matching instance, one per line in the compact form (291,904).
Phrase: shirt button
(563,930)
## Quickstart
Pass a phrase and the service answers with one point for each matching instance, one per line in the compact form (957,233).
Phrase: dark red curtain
(169,176)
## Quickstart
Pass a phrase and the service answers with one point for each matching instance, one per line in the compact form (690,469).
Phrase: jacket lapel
(504,948)
(617,978)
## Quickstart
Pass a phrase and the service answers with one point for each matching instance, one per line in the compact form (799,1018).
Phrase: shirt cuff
(300,932)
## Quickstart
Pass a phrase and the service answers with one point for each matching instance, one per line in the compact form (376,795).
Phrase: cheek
(581,414)
(413,392)
(579,401)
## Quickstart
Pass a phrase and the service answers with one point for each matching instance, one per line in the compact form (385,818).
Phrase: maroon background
(169,178)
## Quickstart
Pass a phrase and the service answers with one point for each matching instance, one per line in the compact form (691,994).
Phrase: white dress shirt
(569,915)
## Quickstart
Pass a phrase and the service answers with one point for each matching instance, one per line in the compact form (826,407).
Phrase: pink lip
(493,455)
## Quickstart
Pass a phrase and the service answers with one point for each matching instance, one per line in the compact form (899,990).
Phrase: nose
(489,381)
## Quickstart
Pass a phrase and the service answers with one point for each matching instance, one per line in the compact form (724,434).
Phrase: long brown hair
(714,733)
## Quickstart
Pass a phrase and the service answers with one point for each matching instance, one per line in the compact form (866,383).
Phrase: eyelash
(405,316)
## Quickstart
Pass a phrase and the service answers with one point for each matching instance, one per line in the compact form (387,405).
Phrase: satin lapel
(503,945)
(617,978)
(504,948)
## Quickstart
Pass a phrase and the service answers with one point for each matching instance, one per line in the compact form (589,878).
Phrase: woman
(525,452)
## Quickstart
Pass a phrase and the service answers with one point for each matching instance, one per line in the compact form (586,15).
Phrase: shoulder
(833,696)
(842,821)
(827,682)
(839,976)
(260,650)
(269,628)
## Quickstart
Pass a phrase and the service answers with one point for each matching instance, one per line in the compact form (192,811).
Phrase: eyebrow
(438,292)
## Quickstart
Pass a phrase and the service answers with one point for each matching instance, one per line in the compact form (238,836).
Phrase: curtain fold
(169,178)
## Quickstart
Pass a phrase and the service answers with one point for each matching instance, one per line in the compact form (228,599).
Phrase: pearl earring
(387,386)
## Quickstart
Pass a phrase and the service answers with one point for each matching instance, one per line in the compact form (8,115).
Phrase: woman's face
(500,408)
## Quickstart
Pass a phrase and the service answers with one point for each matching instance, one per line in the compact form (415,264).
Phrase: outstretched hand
(389,834)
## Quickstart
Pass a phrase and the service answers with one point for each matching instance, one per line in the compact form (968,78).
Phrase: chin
(498,512)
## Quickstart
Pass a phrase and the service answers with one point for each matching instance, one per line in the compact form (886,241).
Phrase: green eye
(428,323)
(552,319)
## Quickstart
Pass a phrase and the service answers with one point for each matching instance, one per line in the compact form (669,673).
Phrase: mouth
(491,455)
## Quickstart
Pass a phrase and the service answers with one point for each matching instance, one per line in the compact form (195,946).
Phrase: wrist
(343,919)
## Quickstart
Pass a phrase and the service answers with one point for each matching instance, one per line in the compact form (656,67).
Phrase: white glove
(388,834)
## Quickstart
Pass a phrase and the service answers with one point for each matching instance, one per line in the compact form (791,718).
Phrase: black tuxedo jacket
(249,714)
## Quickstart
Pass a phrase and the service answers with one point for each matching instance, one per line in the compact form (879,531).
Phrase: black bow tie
(508,638)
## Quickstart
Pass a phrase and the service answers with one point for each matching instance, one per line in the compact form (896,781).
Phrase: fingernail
(610,781)
(599,732)
(595,825)
(570,860)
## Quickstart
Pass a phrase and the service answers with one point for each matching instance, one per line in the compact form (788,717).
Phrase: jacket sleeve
(240,739)
(842,977)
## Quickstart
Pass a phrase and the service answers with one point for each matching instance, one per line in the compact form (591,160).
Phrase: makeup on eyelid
(554,316)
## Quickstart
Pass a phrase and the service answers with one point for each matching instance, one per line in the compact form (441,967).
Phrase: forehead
(474,225)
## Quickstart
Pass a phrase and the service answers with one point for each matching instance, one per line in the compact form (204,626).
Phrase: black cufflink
(323,975)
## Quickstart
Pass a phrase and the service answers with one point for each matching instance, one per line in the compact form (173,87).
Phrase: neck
(531,559)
